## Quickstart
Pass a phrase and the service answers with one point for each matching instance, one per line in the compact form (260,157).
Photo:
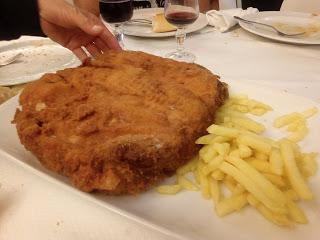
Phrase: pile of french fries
(237,166)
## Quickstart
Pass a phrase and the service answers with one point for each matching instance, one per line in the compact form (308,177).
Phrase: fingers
(80,53)
(109,40)
(101,45)
(87,22)
(93,50)
(93,26)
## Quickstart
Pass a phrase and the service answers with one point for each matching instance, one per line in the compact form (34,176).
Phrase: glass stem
(180,37)
(118,33)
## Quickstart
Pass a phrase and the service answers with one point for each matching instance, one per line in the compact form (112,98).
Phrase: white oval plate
(306,21)
(40,56)
(187,215)
(140,30)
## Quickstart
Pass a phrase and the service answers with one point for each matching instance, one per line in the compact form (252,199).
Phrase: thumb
(63,14)
(87,22)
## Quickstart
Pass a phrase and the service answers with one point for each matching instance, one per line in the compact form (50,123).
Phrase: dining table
(33,207)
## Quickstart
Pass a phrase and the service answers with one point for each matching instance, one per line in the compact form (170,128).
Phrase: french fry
(286,119)
(252,200)
(262,105)
(225,112)
(211,138)
(310,112)
(230,184)
(258,111)
(269,189)
(189,167)
(292,195)
(206,139)
(207,153)
(217,175)
(205,186)
(266,174)
(215,191)
(235,153)
(187,184)
(296,150)
(243,109)
(222,148)
(244,151)
(223,131)
(294,126)
(296,213)
(281,220)
(292,171)
(276,162)
(262,166)
(309,164)
(251,187)
(248,124)
(261,156)
(300,134)
(238,189)
(196,174)
(169,189)
(231,204)
(237,97)
(255,143)
(276,180)
(198,171)
(233,145)
(212,165)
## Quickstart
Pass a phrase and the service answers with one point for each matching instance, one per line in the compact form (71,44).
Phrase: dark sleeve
(19,17)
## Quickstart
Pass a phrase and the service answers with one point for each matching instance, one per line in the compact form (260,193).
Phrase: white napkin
(223,20)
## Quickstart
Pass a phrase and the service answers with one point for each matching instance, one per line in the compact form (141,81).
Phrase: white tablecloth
(32,208)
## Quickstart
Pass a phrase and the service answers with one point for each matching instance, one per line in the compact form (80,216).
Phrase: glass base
(181,56)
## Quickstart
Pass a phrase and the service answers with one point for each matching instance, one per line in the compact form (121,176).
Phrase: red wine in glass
(181,18)
(181,13)
(116,12)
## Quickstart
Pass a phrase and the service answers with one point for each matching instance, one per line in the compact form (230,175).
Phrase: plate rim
(202,17)
(255,16)
(88,197)
(109,206)
(21,43)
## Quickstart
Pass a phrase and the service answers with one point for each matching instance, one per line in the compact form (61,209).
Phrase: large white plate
(146,30)
(186,215)
(39,56)
(289,20)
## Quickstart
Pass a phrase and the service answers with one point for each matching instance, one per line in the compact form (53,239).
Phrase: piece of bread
(160,24)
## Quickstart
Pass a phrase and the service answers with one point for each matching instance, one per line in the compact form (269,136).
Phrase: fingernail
(96,28)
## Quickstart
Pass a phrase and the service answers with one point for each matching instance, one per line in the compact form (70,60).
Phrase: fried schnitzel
(120,123)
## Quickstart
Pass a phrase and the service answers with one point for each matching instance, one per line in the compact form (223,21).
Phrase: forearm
(19,17)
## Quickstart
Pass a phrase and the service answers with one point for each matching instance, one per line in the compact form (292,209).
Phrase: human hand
(74,28)
(91,6)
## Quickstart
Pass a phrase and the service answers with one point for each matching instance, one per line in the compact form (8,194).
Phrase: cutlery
(140,20)
(281,33)
(7,61)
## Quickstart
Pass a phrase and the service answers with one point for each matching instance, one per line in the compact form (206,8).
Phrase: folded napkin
(223,20)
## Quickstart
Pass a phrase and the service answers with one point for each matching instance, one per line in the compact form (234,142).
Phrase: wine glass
(181,13)
(116,12)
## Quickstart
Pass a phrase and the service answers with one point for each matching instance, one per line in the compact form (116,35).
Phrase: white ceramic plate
(186,215)
(287,21)
(146,30)
(39,56)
